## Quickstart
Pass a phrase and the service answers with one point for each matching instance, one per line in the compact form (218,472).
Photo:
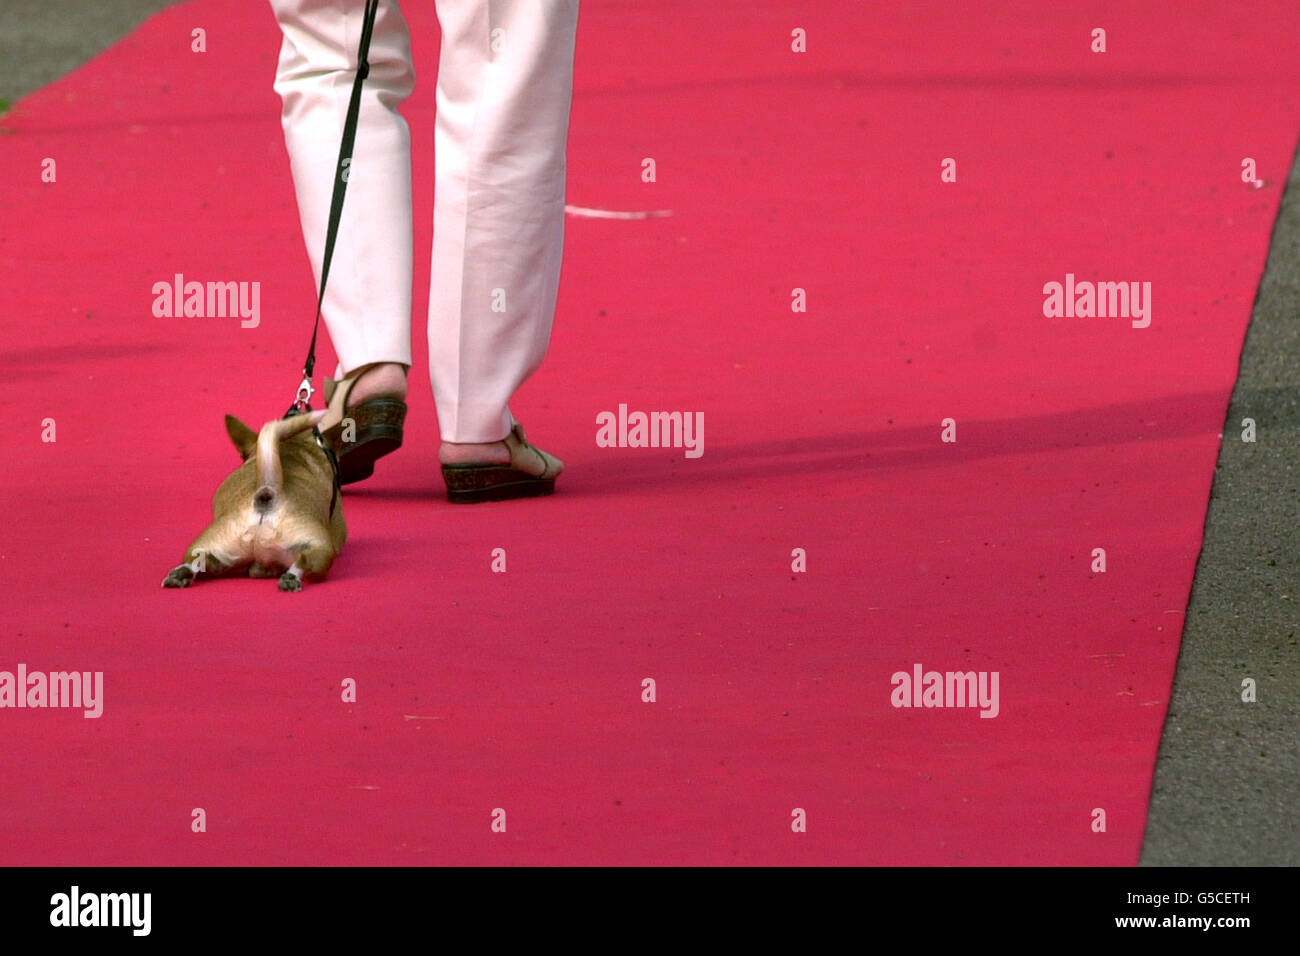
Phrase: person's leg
(505,80)
(367,307)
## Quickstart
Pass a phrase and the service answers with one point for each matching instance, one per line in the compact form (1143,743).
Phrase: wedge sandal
(376,431)
(471,483)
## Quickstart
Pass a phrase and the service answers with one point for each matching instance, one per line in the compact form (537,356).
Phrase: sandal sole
(470,484)
(378,433)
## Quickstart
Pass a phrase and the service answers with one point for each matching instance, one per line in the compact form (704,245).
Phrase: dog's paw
(181,577)
(290,582)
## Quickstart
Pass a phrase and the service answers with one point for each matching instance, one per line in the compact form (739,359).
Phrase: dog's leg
(314,561)
(210,553)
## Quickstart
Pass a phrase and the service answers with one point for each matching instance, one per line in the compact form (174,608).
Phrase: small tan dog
(278,512)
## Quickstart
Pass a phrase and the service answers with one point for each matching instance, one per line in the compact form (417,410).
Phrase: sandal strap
(518,431)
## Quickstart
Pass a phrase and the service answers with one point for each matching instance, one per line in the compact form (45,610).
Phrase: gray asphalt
(41,41)
(1227,783)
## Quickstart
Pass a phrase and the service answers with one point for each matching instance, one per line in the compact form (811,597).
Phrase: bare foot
(513,450)
(386,380)
(380,380)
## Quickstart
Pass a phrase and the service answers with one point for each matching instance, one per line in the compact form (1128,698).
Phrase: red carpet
(522,690)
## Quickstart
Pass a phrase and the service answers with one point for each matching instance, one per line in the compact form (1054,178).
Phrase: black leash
(302,401)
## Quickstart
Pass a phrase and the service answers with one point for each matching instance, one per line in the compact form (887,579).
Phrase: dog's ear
(245,438)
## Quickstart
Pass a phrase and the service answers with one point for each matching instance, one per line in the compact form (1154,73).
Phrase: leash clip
(303,402)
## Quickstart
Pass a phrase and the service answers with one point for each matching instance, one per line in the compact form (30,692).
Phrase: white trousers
(505,81)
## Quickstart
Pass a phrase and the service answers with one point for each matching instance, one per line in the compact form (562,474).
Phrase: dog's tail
(270,474)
